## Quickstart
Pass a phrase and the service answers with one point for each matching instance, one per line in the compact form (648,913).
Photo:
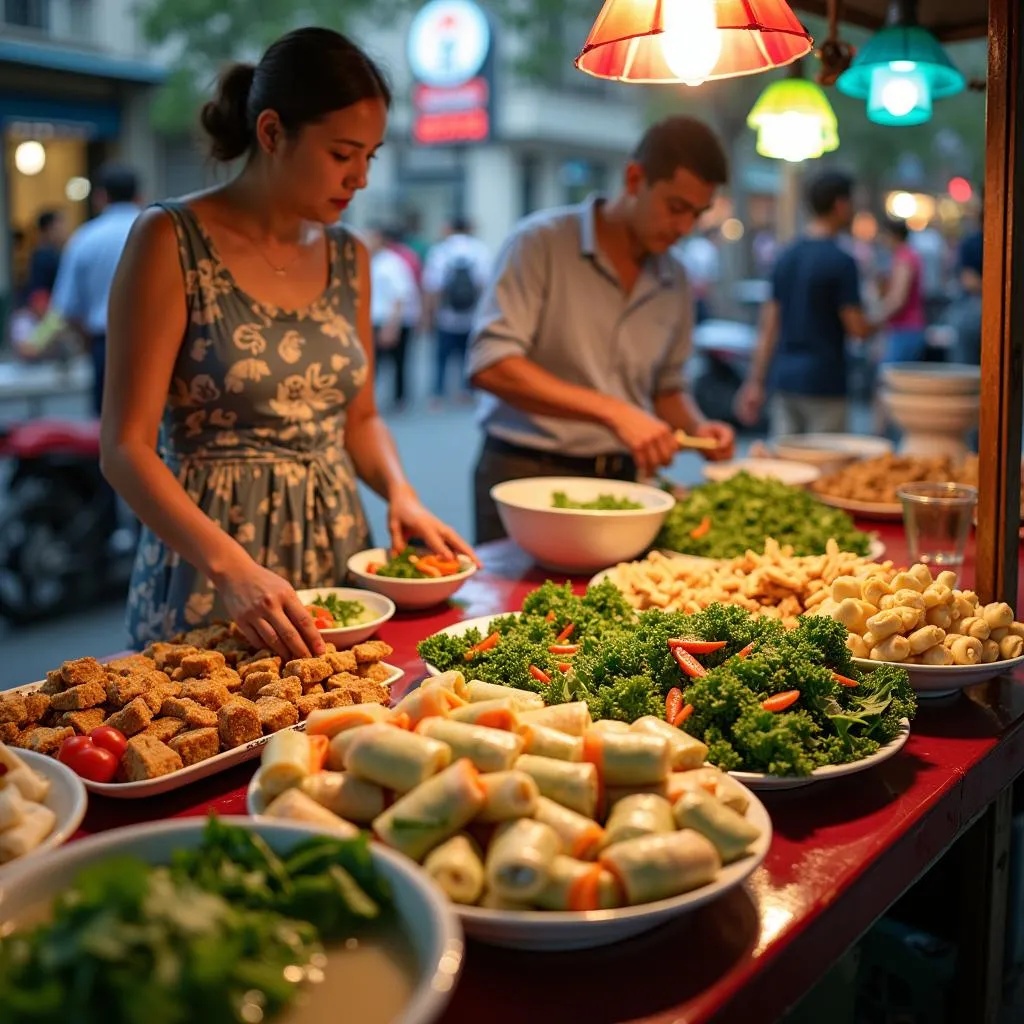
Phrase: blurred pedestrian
(902,311)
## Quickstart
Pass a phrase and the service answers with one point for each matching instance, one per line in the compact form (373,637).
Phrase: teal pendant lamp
(901,70)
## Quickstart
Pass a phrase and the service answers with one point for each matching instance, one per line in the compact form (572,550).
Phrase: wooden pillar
(1002,323)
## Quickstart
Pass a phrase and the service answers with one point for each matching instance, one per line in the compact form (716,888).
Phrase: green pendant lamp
(794,120)
(901,70)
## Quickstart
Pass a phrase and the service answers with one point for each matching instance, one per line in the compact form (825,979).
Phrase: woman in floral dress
(238,411)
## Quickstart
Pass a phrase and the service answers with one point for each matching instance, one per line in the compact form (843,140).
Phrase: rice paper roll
(294,805)
(13,806)
(454,681)
(524,700)
(661,866)
(456,867)
(424,818)
(492,901)
(731,833)
(544,741)
(508,795)
(573,718)
(641,814)
(36,824)
(581,836)
(686,751)
(331,721)
(519,859)
(394,758)
(285,763)
(428,701)
(609,725)
(713,781)
(613,794)
(345,795)
(15,772)
(491,750)
(573,785)
(629,758)
(494,714)
(578,885)
(337,749)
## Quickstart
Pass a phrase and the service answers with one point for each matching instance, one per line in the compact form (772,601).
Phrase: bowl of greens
(580,525)
(412,578)
(345,615)
(231,920)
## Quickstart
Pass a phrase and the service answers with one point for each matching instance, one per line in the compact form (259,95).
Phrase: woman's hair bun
(225,118)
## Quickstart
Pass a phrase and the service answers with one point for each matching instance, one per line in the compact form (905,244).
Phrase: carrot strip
(564,666)
(747,651)
(587,841)
(696,646)
(684,713)
(781,701)
(499,718)
(318,746)
(550,617)
(701,529)
(565,634)
(541,677)
(583,892)
(563,648)
(844,680)
(487,644)
(673,703)
(593,750)
(688,663)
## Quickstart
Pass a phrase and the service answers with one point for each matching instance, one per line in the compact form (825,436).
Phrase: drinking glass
(937,518)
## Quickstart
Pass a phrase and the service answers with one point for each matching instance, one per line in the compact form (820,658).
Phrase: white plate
(828,449)
(67,799)
(482,623)
(382,607)
(884,510)
(562,930)
(408,594)
(942,679)
(796,474)
(201,770)
(759,780)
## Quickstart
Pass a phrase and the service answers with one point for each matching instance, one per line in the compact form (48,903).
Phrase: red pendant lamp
(691,41)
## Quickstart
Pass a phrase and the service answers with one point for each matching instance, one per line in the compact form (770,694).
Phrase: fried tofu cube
(369,692)
(377,672)
(253,682)
(238,722)
(234,648)
(159,691)
(316,688)
(209,694)
(371,651)
(130,663)
(342,681)
(168,656)
(133,718)
(81,696)
(341,661)
(123,689)
(322,701)
(9,733)
(228,676)
(205,637)
(308,670)
(276,713)
(148,758)
(83,670)
(194,715)
(199,665)
(289,689)
(13,708)
(196,745)
(54,682)
(36,704)
(83,722)
(259,661)
(165,729)
(45,741)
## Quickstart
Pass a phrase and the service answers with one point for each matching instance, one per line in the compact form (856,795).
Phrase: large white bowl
(407,594)
(382,608)
(796,474)
(830,451)
(67,798)
(580,540)
(933,378)
(425,914)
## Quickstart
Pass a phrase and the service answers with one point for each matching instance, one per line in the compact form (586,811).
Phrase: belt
(613,464)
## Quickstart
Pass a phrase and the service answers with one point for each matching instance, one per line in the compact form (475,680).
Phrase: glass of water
(937,519)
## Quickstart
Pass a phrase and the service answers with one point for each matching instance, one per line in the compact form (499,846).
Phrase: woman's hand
(409,519)
(723,434)
(268,612)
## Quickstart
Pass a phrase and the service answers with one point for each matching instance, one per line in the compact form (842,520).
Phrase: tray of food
(546,829)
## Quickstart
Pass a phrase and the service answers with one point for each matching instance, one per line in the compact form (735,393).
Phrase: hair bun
(225,118)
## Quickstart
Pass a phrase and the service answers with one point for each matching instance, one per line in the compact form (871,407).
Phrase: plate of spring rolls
(42,803)
(546,829)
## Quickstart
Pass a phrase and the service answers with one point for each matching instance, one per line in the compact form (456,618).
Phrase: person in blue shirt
(800,357)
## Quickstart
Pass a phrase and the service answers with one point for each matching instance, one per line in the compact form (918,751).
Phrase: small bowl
(409,595)
(381,607)
(796,474)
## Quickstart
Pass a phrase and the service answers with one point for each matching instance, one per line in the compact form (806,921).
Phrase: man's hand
(650,440)
(723,434)
(748,403)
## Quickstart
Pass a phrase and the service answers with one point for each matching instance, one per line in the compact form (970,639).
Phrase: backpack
(460,292)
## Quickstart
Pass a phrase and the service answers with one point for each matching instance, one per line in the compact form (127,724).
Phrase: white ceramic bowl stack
(935,405)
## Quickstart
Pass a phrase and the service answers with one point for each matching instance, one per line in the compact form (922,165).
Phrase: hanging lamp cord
(834,54)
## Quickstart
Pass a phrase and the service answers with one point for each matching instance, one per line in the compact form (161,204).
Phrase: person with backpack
(456,272)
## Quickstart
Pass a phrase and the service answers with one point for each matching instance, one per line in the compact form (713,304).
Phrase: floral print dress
(254,430)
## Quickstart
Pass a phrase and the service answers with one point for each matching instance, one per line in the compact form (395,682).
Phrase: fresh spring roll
(581,836)
(285,763)
(573,718)
(687,752)
(731,833)
(524,700)
(659,867)
(492,901)
(331,721)
(578,885)
(629,758)
(13,806)
(544,741)
(395,758)
(428,701)
(491,750)
(613,794)
(494,714)
(456,867)
(519,859)
(508,795)
(294,805)
(442,806)
(609,725)
(573,785)
(641,814)
(15,772)
(713,781)
(337,749)
(345,795)
(454,681)
(34,827)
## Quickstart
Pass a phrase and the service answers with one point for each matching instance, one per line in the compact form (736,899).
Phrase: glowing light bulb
(790,136)
(691,42)
(30,157)
(899,96)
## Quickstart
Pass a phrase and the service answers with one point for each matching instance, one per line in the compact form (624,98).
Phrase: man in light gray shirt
(581,337)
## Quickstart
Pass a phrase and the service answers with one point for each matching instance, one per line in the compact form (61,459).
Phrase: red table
(841,855)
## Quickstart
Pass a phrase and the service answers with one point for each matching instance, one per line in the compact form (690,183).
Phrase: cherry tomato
(84,758)
(322,618)
(109,738)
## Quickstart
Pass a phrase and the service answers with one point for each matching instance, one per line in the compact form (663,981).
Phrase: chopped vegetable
(412,564)
(602,503)
(684,713)
(688,663)
(565,634)
(844,680)
(701,528)
(781,701)
(696,646)
(340,612)
(673,703)
(483,646)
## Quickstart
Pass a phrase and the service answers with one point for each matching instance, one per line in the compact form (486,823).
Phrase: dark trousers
(500,461)
(397,356)
(449,344)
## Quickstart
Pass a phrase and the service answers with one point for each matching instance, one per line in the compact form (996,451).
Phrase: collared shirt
(556,299)
(87,267)
(441,260)
(391,282)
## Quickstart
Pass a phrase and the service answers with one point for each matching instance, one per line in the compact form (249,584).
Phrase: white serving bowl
(829,452)
(796,474)
(425,915)
(407,594)
(580,540)
(933,378)
(382,608)
(67,798)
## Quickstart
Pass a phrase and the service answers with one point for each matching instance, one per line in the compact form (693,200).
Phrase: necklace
(277,269)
